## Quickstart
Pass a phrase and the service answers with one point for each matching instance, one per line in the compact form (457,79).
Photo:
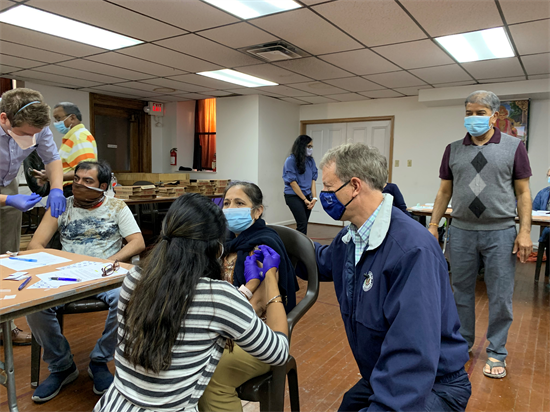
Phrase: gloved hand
(251,269)
(271,258)
(23,202)
(57,201)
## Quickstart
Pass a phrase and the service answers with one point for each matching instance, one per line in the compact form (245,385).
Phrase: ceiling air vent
(273,52)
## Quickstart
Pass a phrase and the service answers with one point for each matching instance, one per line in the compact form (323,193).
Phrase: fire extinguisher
(214,162)
(173,157)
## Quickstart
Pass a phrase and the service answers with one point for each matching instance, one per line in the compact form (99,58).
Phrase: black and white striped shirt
(218,312)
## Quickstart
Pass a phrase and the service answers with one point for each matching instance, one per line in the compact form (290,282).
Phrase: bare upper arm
(47,228)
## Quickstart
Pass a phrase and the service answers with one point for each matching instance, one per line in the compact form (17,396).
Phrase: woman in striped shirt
(176,314)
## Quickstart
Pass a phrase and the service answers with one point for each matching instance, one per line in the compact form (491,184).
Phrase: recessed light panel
(248,9)
(232,76)
(44,22)
(478,45)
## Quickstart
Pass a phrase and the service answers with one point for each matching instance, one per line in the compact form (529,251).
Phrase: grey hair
(358,160)
(70,108)
(485,98)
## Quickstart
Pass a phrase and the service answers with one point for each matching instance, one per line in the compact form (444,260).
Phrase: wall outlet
(397,163)
(409,163)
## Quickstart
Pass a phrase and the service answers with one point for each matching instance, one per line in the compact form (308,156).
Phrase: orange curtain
(206,129)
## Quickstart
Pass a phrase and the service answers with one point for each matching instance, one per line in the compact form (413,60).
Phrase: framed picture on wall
(513,119)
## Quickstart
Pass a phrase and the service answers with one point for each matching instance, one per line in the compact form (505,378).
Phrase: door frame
(305,123)
(143,154)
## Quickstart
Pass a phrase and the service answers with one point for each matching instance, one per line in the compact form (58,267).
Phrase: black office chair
(540,254)
(269,389)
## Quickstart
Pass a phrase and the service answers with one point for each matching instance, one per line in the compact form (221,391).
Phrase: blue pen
(66,279)
(24,260)
(22,285)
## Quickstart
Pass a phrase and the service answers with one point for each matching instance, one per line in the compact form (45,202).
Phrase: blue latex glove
(23,202)
(57,202)
(251,269)
(271,258)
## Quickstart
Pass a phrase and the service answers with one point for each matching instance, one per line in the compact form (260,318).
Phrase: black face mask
(87,197)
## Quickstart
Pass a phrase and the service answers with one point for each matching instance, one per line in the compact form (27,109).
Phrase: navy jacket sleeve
(324,261)
(410,352)
(541,199)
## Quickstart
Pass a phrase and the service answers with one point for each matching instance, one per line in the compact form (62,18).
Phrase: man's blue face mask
(334,208)
(60,126)
(477,125)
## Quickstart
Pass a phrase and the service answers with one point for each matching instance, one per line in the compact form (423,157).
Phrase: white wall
(278,128)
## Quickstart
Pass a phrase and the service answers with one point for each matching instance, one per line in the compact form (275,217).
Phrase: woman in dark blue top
(299,175)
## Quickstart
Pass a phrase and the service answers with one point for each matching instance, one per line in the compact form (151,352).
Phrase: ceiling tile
(443,17)
(273,73)
(19,62)
(79,74)
(4,4)
(455,84)
(285,91)
(206,82)
(395,79)
(64,80)
(142,87)
(8,69)
(411,91)
(348,97)
(190,15)
(372,22)
(354,84)
(312,67)
(126,90)
(442,74)
(360,62)
(381,94)
(503,80)
(489,69)
(531,38)
(525,10)
(255,90)
(107,92)
(423,53)
(33,53)
(45,41)
(536,63)
(168,82)
(170,98)
(318,88)
(305,29)
(218,93)
(540,76)
(318,99)
(91,66)
(169,57)
(110,17)
(121,60)
(238,35)
(293,100)
(312,2)
(196,96)
(208,50)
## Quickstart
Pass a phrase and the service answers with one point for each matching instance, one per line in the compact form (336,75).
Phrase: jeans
(467,248)
(299,211)
(450,393)
(57,352)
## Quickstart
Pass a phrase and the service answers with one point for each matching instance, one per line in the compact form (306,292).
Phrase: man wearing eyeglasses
(24,117)
(93,225)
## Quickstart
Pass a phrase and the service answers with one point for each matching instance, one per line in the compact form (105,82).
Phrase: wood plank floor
(326,367)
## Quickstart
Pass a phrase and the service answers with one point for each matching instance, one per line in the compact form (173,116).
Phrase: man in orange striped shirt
(78,144)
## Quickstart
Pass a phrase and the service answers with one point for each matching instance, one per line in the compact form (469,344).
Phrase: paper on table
(43,285)
(42,259)
(17,276)
(89,272)
(541,213)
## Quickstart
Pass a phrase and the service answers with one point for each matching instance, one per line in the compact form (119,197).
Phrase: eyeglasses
(110,268)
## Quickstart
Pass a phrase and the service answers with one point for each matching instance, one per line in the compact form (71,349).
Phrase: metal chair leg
(540,254)
(36,351)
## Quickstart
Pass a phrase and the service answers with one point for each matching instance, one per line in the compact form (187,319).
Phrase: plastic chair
(269,389)
(540,254)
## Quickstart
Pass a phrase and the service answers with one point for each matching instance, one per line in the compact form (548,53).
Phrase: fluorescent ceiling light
(247,9)
(478,45)
(232,76)
(34,19)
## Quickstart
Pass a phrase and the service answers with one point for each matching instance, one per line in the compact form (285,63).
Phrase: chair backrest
(300,248)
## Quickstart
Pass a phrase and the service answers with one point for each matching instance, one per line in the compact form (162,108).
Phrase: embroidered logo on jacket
(369,279)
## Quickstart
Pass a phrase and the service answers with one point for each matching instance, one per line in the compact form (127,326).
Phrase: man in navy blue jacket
(393,287)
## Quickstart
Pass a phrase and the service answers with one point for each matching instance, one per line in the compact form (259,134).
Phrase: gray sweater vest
(483,185)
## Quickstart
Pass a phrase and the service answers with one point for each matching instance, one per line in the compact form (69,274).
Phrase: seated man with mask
(93,225)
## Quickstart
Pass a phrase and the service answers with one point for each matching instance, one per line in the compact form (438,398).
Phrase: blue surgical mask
(477,125)
(60,126)
(309,151)
(548,179)
(334,208)
(238,219)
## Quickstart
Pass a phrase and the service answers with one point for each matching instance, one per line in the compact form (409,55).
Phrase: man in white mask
(24,117)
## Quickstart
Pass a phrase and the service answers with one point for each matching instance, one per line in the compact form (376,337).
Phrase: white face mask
(25,141)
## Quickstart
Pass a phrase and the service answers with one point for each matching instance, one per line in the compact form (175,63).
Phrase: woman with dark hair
(176,314)
(299,175)
(243,208)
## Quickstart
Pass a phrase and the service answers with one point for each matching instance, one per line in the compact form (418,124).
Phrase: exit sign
(156,109)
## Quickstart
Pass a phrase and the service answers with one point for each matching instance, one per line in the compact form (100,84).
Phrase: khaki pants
(10,224)
(234,369)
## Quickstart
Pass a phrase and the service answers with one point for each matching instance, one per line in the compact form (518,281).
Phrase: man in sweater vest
(487,175)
